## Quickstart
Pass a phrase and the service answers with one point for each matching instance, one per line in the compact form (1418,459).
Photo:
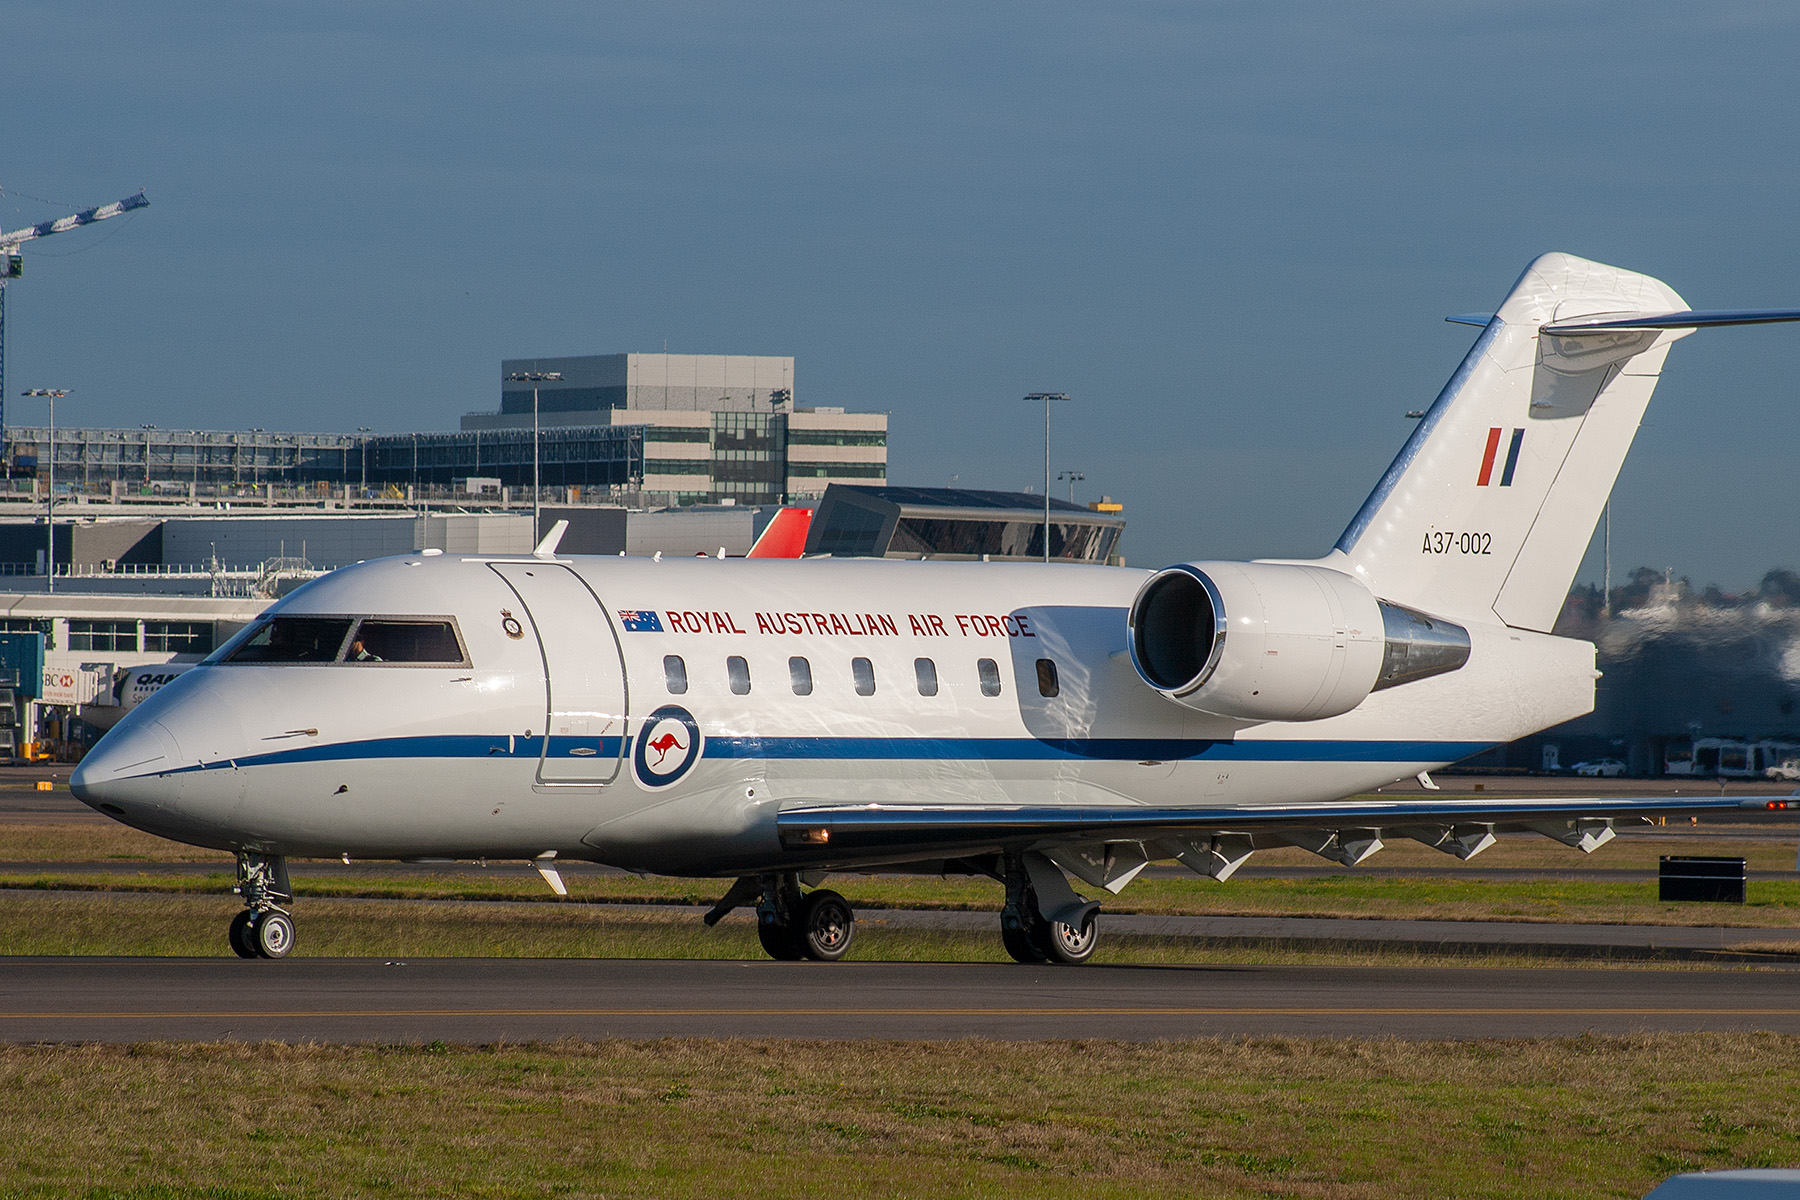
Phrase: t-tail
(1490,505)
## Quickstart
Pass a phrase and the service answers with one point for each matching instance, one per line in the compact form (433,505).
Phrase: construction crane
(12,265)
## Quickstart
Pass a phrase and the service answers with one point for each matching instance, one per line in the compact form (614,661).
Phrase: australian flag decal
(640,622)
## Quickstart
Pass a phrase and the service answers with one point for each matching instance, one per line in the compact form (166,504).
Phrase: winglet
(547,547)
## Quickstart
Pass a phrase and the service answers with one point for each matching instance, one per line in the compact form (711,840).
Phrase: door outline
(615,762)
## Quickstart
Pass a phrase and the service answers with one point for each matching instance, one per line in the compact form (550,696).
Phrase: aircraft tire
(1067,945)
(273,934)
(779,942)
(1021,945)
(827,926)
(239,935)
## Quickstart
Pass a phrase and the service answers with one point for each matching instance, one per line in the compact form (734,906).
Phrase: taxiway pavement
(493,1000)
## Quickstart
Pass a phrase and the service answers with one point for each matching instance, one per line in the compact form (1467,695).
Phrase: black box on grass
(1694,877)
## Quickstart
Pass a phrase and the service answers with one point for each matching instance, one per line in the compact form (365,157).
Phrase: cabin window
(862,672)
(1047,682)
(737,673)
(925,671)
(675,674)
(800,675)
(990,676)
(293,640)
(378,640)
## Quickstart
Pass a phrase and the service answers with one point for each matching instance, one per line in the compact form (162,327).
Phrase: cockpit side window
(293,640)
(405,640)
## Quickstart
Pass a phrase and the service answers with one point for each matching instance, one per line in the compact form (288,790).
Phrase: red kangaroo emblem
(663,745)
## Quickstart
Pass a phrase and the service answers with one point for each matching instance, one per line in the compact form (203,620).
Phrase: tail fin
(784,536)
(1491,503)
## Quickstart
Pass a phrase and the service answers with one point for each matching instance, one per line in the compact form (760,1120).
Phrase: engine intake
(1280,642)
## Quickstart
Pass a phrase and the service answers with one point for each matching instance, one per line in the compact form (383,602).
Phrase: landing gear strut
(792,925)
(264,929)
(1030,937)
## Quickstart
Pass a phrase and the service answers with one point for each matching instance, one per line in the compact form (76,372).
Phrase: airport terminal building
(708,427)
(661,429)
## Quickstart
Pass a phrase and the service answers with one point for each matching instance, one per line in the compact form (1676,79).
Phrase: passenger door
(584,673)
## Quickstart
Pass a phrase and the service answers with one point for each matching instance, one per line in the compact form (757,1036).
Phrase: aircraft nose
(118,774)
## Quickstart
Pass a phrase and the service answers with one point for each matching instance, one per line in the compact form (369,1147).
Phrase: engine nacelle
(1280,642)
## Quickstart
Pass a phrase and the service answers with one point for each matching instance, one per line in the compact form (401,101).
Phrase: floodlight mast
(53,395)
(12,265)
(534,378)
(1046,398)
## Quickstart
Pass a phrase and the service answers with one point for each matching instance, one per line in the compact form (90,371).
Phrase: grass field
(138,924)
(1636,847)
(103,924)
(1591,1117)
(1773,903)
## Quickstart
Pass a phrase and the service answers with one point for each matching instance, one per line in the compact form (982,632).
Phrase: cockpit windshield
(348,640)
(294,640)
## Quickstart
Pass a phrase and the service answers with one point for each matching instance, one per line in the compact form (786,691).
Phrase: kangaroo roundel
(667,746)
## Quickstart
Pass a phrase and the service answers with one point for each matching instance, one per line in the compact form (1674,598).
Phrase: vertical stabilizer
(1491,503)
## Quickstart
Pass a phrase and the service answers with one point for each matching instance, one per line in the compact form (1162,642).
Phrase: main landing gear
(1030,937)
(264,929)
(792,925)
(820,925)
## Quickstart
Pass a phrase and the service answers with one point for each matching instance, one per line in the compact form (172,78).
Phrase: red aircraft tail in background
(785,536)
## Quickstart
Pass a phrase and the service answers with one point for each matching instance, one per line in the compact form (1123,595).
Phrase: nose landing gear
(264,929)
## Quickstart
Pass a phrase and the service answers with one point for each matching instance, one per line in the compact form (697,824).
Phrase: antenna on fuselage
(547,547)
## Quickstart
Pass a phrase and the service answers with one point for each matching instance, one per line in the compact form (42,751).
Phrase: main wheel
(827,926)
(779,942)
(1064,943)
(1020,944)
(273,934)
(239,934)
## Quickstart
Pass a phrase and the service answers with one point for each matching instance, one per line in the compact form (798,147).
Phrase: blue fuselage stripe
(876,749)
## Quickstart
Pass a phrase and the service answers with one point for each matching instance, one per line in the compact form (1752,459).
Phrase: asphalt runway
(494,1000)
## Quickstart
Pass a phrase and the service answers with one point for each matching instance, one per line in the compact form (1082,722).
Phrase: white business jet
(771,722)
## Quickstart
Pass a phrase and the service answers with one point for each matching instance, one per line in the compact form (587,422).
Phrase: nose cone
(122,775)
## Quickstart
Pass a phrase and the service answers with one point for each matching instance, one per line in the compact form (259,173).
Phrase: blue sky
(1230,232)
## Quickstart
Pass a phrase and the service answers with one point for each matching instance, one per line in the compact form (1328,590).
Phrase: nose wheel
(264,929)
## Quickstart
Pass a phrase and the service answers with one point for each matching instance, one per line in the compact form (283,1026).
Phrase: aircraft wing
(1346,831)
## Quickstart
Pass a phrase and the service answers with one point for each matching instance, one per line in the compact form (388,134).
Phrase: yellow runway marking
(909,1012)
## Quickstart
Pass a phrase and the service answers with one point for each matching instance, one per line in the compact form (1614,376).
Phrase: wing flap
(889,828)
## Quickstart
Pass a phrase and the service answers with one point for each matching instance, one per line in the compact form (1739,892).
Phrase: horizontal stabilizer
(1480,320)
(1600,323)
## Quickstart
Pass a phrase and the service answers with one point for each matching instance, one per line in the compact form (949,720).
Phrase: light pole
(534,378)
(52,395)
(1046,398)
(1074,477)
(362,435)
